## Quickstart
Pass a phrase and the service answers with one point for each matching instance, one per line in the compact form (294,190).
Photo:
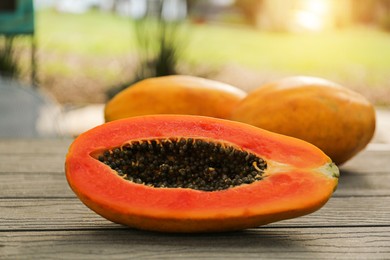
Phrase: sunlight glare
(308,20)
(317,6)
(312,15)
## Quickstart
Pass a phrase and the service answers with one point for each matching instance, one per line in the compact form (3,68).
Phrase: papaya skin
(299,178)
(176,94)
(338,120)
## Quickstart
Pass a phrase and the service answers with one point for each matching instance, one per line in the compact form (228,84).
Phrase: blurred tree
(384,14)
(251,9)
(160,38)
(372,12)
(8,63)
(276,14)
(364,10)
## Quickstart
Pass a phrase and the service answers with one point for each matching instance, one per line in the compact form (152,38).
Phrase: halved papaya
(182,173)
(174,94)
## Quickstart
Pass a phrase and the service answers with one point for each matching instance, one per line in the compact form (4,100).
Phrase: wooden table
(41,218)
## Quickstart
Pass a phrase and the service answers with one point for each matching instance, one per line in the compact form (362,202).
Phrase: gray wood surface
(265,243)
(71,213)
(40,217)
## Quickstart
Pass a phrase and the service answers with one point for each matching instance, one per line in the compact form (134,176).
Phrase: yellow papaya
(336,119)
(176,94)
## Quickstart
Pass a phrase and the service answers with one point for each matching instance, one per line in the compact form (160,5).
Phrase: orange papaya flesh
(176,94)
(299,178)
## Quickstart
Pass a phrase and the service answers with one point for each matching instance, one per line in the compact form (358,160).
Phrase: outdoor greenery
(8,62)
(96,35)
(159,46)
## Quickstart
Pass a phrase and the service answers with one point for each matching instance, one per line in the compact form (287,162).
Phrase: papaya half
(175,94)
(334,118)
(183,173)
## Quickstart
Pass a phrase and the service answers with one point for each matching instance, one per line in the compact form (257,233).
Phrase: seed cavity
(184,163)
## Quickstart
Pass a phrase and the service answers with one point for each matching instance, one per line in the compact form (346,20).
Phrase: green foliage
(250,9)
(160,44)
(351,54)
(8,63)
(385,23)
(328,53)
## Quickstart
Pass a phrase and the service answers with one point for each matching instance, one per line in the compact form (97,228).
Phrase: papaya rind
(298,188)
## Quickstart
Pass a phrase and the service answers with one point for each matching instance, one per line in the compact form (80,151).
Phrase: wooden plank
(374,159)
(41,218)
(34,146)
(54,184)
(262,243)
(34,214)
(365,163)
(32,163)
(34,185)
(49,156)
(353,184)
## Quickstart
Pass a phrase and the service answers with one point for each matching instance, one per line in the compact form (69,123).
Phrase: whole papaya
(336,119)
(176,94)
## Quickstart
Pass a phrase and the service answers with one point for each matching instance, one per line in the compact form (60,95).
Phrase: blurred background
(60,61)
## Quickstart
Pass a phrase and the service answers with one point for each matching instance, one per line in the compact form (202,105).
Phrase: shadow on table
(143,244)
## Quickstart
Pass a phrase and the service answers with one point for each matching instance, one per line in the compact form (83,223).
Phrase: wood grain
(40,217)
(54,184)
(49,156)
(34,146)
(25,214)
(261,243)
